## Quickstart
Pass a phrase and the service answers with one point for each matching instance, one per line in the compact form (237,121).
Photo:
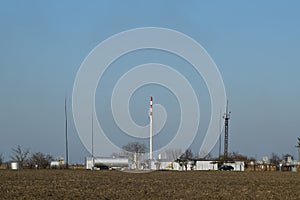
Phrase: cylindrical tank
(111,162)
(15,165)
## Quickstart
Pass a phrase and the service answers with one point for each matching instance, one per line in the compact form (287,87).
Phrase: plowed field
(81,184)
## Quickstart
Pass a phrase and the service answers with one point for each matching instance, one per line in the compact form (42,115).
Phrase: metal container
(111,162)
(104,162)
(15,165)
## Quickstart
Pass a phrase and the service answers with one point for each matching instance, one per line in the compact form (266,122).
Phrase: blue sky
(255,45)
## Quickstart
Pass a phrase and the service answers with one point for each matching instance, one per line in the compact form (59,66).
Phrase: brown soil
(81,184)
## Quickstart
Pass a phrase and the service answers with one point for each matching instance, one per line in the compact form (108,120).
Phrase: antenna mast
(226,117)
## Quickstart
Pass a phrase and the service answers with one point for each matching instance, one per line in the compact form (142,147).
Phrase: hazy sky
(255,45)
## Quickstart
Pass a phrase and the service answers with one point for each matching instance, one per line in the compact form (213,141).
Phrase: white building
(206,165)
(237,165)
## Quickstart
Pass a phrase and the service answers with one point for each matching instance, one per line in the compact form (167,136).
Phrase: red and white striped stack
(150,113)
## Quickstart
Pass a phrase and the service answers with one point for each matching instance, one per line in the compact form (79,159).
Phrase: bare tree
(185,158)
(20,155)
(1,159)
(188,154)
(134,150)
(135,147)
(40,160)
(275,159)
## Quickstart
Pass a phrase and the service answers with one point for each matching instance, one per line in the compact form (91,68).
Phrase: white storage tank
(55,164)
(15,165)
(111,162)
(104,162)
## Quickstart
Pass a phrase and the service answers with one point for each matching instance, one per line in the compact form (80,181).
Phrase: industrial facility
(124,163)
(148,162)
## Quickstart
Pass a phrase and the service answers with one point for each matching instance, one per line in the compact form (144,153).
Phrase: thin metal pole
(220,136)
(93,138)
(66,118)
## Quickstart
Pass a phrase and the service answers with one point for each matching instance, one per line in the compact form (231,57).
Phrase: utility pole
(226,117)
(66,118)
(93,138)
(220,146)
(298,146)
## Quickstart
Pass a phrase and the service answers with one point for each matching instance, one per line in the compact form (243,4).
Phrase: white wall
(237,165)
(206,165)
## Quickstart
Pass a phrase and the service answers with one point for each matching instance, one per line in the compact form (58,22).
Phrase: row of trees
(235,156)
(139,148)
(135,149)
(34,160)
